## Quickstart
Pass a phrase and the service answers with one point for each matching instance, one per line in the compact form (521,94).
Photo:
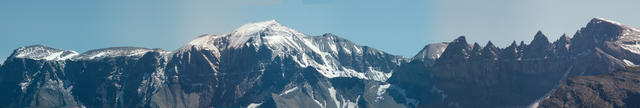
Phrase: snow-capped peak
(258,33)
(271,27)
(113,52)
(598,20)
(41,52)
(625,36)
(319,52)
(202,42)
(431,51)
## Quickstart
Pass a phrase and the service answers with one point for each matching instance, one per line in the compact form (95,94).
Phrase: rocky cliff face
(518,75)
(619,89)
(263,64)
(120,78)
(266,64)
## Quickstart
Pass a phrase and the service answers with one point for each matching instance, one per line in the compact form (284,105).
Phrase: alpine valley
(266,65)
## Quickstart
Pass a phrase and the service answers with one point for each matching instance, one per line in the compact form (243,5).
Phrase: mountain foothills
(266,64)
(617,89)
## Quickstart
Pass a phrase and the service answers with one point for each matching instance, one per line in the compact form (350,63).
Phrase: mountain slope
(616,89)
(271,58)
(518,75)
(264,64)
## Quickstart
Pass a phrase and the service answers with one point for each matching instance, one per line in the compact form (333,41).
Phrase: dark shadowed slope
(618,89)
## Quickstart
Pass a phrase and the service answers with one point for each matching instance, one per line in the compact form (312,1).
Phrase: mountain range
(266,64)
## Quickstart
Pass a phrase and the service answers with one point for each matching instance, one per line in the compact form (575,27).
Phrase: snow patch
(601,20)
(332,93)
(329,67)
(535,104)
(204,42)
(333,47)
(289,91)
(254,105)
(628,63)
(349,104)
(346,50)
(41,52)
(634,48)
(153,81)
(272,28)
(381,90)
(342,103)
(114,52)
(25,84)
(431,51)
(376,75)
(316,101)
(358,50)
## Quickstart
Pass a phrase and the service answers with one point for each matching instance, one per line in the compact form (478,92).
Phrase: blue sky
(399,27)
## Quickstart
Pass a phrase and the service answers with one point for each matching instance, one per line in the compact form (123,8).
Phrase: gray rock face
(100,82)
(538,48)
(267,64)
(263,64)
(561,46)
(518,75)
(618,89)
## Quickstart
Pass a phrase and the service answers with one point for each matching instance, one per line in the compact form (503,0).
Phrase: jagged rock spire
(490,46)
(457,50)
(513,44)
(539,38)
(522,45)
(564,39)
(561,46)
(475,50)
(490,51)
(511,52)
(538,48)
(461,39)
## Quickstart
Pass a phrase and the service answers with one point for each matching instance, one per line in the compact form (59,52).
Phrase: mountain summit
(265,28)
(266,64)
(520,75)
(41,52)
(258,64)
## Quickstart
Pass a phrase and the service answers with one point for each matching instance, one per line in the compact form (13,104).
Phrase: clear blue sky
(399,27)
